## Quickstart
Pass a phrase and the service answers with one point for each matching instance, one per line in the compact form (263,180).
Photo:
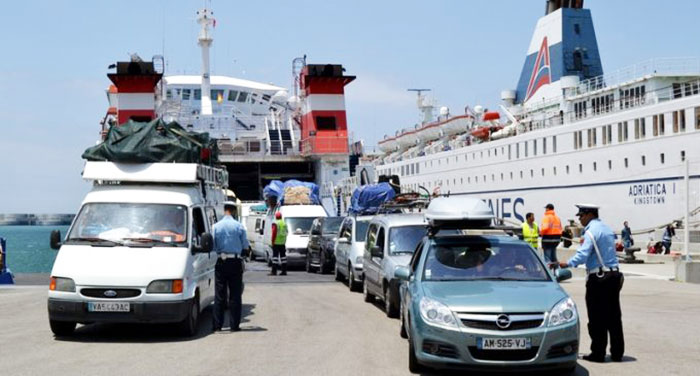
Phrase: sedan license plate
(108,307)
(503,343)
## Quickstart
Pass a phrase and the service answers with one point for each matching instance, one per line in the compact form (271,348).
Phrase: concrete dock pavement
(308,324)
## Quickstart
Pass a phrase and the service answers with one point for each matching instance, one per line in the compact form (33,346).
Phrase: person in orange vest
(551,233)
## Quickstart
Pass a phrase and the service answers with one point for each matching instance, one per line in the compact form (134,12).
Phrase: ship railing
(659,66)
(324,145)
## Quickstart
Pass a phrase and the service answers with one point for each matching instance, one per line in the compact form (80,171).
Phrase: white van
(298,219)
(254,224)
(140,248)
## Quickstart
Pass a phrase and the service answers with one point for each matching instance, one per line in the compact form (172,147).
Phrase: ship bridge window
(198,94)
(243,97)
(232,94)
(697,117)
(254,98)
(169,94)
(325,123)
(266,97)
(186,94)
(216,94)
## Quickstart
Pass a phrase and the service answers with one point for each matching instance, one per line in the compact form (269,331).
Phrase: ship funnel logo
(541,72)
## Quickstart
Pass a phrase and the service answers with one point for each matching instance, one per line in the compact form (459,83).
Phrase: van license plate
(503,343)
(108,307)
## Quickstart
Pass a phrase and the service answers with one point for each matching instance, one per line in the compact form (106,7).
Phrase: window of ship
(609,164)
(186,94)
(232,94)
(469,180)
(595,166)
(662,158)
(567,169)
(488,153)
(511,175)
(461,180)
(544,145)
(215,93)
(627,163)
(417,168)
(554,170)
(534,147)
(243,97)
(580,167)
(517,150)
(682,155)
(325,123)
(266,97)
(198,94)
(525,148)
(542,171)
(697,117)
(532,173)
(169,94)
(484,178)
(254,98)
(554,144)
(493,177)
(521,174)
(501,176)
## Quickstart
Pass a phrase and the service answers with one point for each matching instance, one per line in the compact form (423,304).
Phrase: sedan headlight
(436,313)
(165,286)
(62,284)
(359,260)
(563,312)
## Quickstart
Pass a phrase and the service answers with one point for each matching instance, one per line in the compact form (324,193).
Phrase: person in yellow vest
(531,233)
(279,238)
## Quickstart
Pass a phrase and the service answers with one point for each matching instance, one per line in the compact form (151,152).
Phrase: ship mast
(205,19)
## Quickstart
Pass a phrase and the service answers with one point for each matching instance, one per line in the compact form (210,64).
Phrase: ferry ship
(263,131)
(568,133)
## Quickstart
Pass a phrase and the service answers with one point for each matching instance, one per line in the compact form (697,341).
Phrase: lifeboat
(429,132)
(485,131)
(407,139)
(456,125)
(388,144)
(492,116)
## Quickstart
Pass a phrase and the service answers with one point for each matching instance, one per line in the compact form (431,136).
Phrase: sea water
(28,249)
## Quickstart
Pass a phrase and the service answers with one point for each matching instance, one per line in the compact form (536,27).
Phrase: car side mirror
(376,251)
(55,239)
(562,274)
(206,244)
(403,273)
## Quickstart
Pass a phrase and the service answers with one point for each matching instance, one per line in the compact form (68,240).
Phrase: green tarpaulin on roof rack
(154,141)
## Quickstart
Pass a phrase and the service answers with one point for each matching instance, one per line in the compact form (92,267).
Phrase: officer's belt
(224,256)
(602,269)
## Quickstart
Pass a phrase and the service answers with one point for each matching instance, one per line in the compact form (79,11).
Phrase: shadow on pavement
(579,371)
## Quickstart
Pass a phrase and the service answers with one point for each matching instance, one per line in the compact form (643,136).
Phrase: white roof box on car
(459,212)
(179,173)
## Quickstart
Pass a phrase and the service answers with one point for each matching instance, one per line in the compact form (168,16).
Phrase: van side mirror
(403,273)
(206,244)
(562,274)
(55,240)
(376,251)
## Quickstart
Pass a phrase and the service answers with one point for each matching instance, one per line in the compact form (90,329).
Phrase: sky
(55,55)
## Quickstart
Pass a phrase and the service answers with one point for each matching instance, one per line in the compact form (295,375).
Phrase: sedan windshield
(331,225)
(299,225)
(117,223)
(405,239)
(483,259)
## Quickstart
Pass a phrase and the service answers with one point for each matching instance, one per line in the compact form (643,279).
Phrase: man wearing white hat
(603,285)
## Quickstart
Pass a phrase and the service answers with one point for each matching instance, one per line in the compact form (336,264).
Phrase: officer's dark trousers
(604,314)
(279,258)
(229,278)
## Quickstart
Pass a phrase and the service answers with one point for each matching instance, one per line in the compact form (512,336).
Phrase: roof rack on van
(404,202)
(182,173)
(458,213)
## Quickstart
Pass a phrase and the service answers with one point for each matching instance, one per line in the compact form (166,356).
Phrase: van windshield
(120,223)
(299,225)
(404,239)
(483,259)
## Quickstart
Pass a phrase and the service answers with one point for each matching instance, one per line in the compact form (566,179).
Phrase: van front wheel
(189,326)
(62,328)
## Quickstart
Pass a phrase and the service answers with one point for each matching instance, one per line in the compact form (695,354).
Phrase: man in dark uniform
(230,241)
(603,285)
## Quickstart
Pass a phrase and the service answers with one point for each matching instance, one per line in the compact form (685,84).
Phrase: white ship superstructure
(263,132)
(573,134)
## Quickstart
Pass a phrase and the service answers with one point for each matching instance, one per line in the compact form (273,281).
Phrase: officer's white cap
(229,203)
(587,208)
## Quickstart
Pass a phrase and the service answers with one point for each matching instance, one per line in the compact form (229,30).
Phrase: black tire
(338,276)
(252,256)
(352,284)
(62,328)
(413,365)
(389,307)
(309,269)
(402,332)
(369,298)
(189,326)
(322,267)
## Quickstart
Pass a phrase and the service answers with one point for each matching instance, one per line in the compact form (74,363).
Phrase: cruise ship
(263,131)
(569,133)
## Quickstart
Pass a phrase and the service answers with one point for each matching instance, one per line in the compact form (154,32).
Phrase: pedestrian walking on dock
(666,240)
(279,238)
(603,284)
(551,233)
(626,236)
(230,244)
(531,232)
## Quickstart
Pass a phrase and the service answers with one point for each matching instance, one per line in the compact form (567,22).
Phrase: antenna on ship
(425,106)
(205,17)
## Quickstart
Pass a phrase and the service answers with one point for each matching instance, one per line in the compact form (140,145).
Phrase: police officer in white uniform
(603,285)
